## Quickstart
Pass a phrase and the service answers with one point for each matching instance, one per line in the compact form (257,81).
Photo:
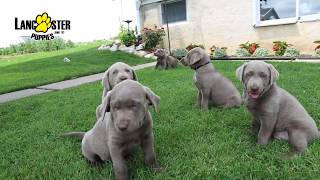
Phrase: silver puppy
(125,124)
(276,113)
(164,60)
(114,74)
(213,87)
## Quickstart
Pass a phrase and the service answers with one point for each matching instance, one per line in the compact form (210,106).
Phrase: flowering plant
(279,47)
(152,37)
(250,47)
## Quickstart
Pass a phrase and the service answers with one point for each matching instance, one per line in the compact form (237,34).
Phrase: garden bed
(266,58)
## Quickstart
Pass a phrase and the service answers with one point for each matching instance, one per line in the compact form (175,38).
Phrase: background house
(230,23)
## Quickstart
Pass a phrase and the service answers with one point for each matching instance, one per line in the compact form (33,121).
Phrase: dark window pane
(277,9)
(308,7)
(174,11)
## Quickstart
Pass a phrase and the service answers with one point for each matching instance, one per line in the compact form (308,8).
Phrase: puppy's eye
(134,105)
(127,70)
(115,72)
(249,74)
(262,75)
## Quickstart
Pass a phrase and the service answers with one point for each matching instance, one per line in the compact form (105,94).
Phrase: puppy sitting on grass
(214,89)
(115,74)
(164,60)
(126,122)
(276,113)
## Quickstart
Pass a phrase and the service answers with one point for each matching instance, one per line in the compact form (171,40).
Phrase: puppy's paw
(262,142)
(204,108)
(154,165)
(121,177)
(289,155)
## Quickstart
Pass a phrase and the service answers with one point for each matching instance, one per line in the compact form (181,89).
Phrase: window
(309,7)
(273,12)
(175,11)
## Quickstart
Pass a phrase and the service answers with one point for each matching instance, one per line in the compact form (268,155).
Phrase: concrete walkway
(82,80)
(60,85)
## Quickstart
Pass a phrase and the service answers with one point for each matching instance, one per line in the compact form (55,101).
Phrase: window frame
(258,23)
(173,23)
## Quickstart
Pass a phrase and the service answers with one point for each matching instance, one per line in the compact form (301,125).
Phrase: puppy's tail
(78,135)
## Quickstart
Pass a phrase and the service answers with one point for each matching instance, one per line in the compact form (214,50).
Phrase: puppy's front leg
(205,100)
(157,65)
(165,64)
(266,129)
(255,125)
(199,98)
(119,164)
(147,145)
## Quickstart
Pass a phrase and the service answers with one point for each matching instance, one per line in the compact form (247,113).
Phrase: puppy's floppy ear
(134,75)
(105,104)
(152,98)
(240,71)
(274,74)
(106,83)
(195,57)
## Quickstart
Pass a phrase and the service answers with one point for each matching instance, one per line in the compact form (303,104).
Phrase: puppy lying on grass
(164,60)
(276,113)
(115,74)
(126,122)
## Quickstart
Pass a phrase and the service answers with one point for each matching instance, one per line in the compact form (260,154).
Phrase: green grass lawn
(31,70)
(190,144)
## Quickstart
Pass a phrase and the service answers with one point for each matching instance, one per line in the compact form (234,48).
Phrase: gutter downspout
(138,11)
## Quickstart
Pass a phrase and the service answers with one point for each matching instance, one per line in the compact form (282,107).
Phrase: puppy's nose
(254,89)
(123,126)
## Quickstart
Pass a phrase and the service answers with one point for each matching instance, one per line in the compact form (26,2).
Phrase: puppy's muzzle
(123,125)
(122,78)
(254,92)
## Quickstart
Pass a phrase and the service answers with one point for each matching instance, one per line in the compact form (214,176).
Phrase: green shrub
(261,52)
(218,52)
(292,52)
(109,43)
(180,53)
(127,37)
(70,44)
(191,46)
(32,46)
(152,37)
(317,53)
(241,52)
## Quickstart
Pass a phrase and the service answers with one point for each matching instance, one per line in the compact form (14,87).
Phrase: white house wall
(229,23)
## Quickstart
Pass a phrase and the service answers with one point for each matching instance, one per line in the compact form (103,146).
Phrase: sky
(90,19)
